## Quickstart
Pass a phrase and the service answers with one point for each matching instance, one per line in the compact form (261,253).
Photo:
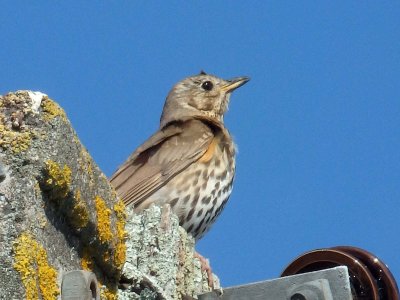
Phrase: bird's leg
(205,266)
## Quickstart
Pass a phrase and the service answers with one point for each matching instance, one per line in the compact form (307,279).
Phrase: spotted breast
(199,194)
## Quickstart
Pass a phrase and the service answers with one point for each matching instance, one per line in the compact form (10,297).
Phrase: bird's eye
(207,85)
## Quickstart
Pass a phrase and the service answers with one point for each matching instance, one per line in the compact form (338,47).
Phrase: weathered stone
(58,213)
(160,258)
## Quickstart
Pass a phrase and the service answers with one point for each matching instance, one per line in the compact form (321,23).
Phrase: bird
(189,162)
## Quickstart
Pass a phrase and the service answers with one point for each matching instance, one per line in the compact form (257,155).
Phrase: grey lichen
(160,255)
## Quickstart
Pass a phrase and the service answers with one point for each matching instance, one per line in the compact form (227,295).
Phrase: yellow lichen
(51,109)
(108,294)
(17,141)
(37,276)
(86,261)
(103,220)
(120,247)
(58,179)
(120,255)
(79,214)
(119,209)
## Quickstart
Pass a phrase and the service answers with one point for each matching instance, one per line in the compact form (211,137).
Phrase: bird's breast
(198,194)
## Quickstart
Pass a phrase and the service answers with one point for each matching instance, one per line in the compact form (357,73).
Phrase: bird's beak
(234,83)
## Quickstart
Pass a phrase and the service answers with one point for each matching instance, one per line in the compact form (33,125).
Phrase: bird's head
(199,96)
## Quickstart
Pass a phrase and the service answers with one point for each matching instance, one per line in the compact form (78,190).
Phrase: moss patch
(38,277)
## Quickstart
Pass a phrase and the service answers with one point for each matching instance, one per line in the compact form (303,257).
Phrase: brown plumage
(190,161)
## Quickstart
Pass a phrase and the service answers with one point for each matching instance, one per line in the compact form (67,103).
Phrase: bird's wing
(164,155)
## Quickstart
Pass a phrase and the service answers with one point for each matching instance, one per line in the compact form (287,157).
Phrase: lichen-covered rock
(59,213)
(160,258)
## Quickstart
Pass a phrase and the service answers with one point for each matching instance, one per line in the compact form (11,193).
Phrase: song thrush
(190,161)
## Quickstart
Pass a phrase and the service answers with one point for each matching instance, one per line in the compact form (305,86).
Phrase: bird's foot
(205,266)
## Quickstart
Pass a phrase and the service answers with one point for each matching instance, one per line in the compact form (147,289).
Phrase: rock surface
(160,258)
(59,213)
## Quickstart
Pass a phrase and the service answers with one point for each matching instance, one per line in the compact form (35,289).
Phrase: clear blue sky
(318,125)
